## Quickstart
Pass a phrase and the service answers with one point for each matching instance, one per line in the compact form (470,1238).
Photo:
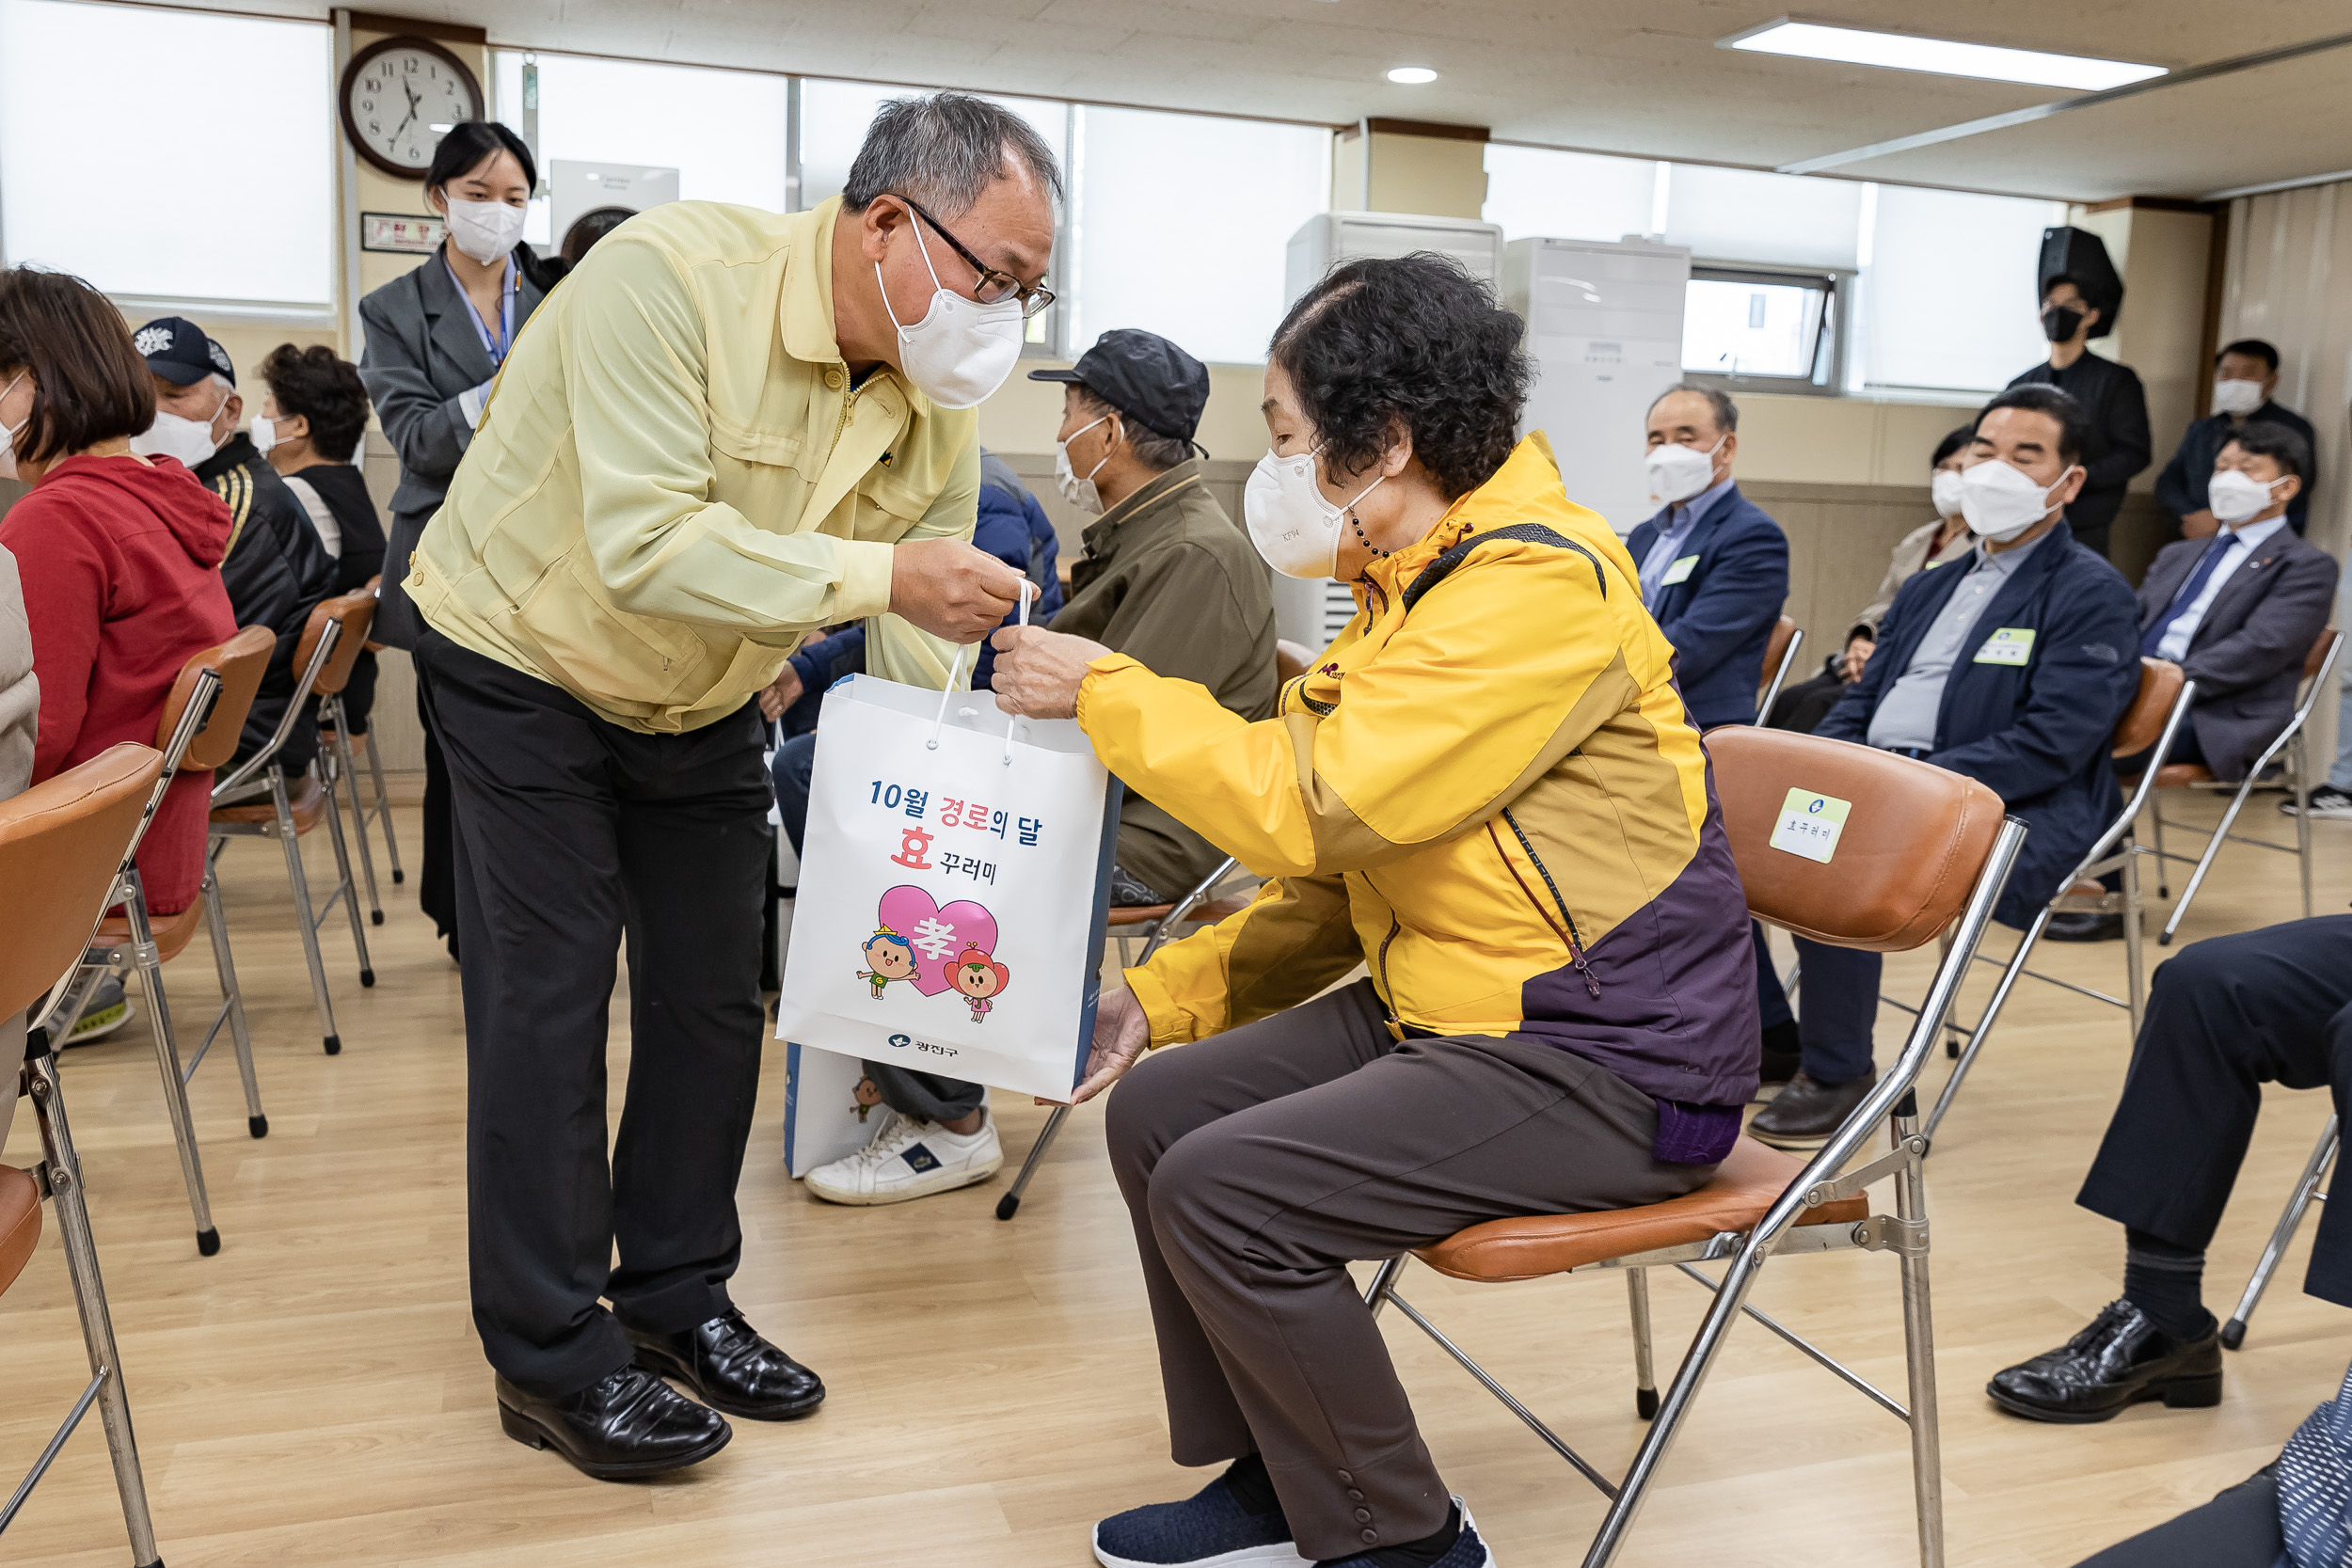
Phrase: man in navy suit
(1714,568)
(2012,665)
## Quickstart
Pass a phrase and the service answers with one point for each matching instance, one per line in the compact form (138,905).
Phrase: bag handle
(955,682)
(1028,591)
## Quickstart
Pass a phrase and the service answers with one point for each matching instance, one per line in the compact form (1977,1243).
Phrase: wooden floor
(315,1394)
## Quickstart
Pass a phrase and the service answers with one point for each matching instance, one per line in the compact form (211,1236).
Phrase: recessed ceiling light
(1814,40)
(1412,75)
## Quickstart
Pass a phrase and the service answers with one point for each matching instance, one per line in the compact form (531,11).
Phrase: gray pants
(1258,1165)
(925,1095)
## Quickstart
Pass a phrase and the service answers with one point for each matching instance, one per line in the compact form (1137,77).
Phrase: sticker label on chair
(1809,825)
(2006,646)
(1679,571)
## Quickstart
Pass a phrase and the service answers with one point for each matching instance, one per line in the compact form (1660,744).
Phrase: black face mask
(2059,322)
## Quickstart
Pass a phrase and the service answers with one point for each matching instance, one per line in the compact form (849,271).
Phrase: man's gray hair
(942,151)
(1727,411)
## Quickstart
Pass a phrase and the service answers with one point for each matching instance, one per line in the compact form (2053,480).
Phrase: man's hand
(782,695)
(1038,672)
(1120,1035)
(1857,655)
(950,589)
(2199,524)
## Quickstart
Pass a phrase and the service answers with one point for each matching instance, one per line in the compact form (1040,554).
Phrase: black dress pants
(2224,1018)
(573,835)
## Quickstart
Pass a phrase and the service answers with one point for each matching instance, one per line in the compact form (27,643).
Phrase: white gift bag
(954,875)
(831,1108)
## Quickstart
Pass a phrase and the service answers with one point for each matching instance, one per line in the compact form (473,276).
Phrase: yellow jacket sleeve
(638,397)
(1292,941)
(1463,706)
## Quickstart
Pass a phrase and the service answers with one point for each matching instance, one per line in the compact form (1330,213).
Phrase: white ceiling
(1636,76)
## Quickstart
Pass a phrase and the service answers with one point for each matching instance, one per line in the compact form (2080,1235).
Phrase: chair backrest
(240,663)
(355,612)
(60,843)
(1776,649)
(373,588)
(2142,723)
(1292,660)
(2318,655)
(1901,862)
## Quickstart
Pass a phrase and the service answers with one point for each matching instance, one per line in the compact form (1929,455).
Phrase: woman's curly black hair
(1414,340)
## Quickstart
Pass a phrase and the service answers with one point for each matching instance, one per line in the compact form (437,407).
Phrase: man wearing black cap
(2117,444)
(277,570)
(1167,579)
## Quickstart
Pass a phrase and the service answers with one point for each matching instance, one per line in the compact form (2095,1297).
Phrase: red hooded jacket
(120,563)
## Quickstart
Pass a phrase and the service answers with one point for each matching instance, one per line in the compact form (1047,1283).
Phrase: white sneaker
(911,1159)
(2328,802)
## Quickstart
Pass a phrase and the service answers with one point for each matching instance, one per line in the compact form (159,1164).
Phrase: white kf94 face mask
(487,230)
(1677,472)
(1078,492)
(191,441)
(1293,526)
(2237,497)
(2001,501)
(2236,397)
(1945,490)
(961,350)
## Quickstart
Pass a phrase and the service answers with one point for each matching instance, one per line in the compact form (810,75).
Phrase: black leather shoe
(1782,1058)
(732,1368)
(1805,1114)
(2083,925)
(2119,1360)
(630,1424)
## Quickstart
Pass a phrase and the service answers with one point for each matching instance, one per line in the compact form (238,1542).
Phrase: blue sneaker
(1208,1529)
(1468,1550)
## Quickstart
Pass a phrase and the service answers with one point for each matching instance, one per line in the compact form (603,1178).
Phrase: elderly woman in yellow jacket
(1487,791)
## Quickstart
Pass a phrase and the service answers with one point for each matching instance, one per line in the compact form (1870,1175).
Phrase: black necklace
(1363,541)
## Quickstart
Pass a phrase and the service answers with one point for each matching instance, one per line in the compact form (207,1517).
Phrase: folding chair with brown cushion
(62,844)
(340,775)
(1780,656)
(348,744)
(196,732)
(1151,925)
(2157,712)
(1920,852)
(331,639)
(2319,662)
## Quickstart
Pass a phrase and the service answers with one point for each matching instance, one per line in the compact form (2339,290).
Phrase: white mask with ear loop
(1293,525)
(190,442)
(1078,492)
(1943,489)
(264,434)
(1678,472)
(961,350)
(2002,502)
(9,433)
(2237,497)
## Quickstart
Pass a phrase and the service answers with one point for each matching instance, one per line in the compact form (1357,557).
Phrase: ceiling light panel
(1412,75)
(1815,40)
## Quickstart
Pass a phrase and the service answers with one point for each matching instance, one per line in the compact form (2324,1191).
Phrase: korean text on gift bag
(953,878)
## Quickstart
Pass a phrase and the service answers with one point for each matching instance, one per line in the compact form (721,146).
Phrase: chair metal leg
(2282,1235)
(63,1168)
(1985,1019)
(1645,1369)
(2164,875)
(2205,861)
(291,844)
(1383,1281)
(1009,1204)
(2298,761)
(2135,953)
(1927,1452)
(383,811)
(232,996)
(151,967)
(344,886)
(348,777)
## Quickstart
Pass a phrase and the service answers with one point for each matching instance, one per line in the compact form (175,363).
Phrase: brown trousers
(1258,1165)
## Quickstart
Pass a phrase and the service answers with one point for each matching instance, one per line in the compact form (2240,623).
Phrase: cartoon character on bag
(868,1095)
(978,977)
(893,958)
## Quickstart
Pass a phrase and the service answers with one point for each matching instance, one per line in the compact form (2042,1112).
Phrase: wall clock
(395,93)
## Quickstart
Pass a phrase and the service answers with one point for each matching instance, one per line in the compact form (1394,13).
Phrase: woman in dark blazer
(435,341)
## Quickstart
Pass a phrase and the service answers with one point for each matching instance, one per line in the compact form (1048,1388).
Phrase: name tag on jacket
(2006,646)
(1679,571)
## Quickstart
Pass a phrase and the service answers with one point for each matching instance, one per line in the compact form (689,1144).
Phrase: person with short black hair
(1488,791)
(2245,380)
(313,414)
(2012,667)
(1714,567)
(2114,442)
(276,571)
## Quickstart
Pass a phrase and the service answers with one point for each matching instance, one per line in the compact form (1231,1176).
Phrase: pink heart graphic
(937,935)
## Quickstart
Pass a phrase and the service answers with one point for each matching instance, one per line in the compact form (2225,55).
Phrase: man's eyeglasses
(994,287)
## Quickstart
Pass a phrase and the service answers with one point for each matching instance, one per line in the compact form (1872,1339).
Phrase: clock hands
(412,111)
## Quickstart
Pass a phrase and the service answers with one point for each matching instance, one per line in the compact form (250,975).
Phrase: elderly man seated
(1167,579)
(2224,1018)
(2012,666)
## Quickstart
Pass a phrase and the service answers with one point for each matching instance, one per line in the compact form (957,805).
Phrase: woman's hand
(782,695)
(1858,653)
(1120,1035)
(1038,672)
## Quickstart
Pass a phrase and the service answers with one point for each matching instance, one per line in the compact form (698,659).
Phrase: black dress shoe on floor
(732,1368)
(2119,1360)
(630,1424)
(2083,925)
(1805,1114)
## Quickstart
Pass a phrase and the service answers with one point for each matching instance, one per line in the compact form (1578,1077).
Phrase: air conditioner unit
(1604,328)
(588,199)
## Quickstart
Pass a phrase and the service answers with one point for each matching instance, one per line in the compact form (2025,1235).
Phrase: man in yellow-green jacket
(724,430)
